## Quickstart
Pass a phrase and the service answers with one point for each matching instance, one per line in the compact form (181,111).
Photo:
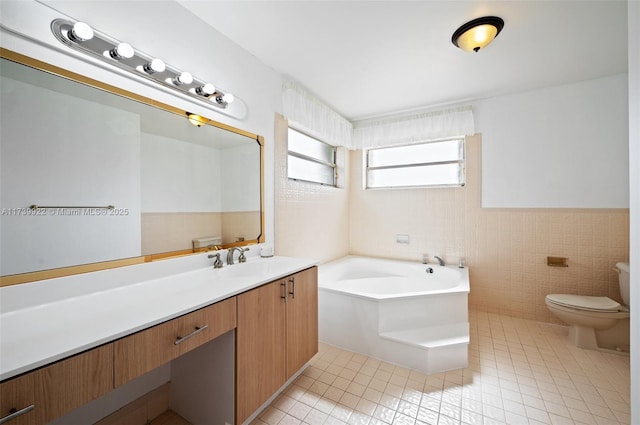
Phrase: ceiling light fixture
(122,51)
(206,90)
(478,33)
(227,97)
(183,78)
(80,32)
(81,37)
(222,98)
(156,65)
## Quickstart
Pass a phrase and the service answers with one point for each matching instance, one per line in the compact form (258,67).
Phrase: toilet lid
(585,302)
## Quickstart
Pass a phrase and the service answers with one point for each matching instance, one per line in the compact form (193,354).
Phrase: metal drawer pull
(293,287)
(284,291)
(181,339)
(15,413)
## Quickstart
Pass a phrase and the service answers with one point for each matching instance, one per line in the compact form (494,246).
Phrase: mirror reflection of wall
(67,144)
(189,189)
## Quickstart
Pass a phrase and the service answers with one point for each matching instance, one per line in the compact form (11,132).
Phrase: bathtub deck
(431,337)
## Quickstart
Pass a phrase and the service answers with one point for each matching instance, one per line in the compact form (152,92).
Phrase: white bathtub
(405,313)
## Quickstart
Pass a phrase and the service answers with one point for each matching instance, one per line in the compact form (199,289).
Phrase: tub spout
(440,260)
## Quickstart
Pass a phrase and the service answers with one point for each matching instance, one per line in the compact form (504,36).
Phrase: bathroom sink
(255,267)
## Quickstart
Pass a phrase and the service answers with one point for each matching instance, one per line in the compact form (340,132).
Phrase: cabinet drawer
(142,352)
(59,388)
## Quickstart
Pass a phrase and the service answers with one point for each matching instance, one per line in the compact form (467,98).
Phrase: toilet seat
(585,302)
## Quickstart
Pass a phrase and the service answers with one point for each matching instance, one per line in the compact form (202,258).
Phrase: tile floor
(520,372)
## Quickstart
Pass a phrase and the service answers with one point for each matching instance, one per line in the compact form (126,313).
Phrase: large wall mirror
(114,177)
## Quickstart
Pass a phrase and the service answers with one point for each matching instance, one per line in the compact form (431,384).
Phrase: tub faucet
(241,258)
(440,260)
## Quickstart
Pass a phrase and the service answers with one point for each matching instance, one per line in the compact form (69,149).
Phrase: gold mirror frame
(86,268)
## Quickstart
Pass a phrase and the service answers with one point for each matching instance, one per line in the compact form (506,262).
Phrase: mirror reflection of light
(197,120)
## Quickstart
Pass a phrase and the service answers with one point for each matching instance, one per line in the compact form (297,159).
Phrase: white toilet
(588,315)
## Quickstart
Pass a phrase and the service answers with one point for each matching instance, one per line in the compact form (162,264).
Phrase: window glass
(438,163)
(310,159)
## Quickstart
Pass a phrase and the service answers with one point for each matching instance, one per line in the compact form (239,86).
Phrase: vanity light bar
(81,37)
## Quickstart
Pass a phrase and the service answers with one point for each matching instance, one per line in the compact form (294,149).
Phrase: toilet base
(583,337)
(614,340)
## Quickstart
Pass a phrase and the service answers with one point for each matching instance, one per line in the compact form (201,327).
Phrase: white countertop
(56,326)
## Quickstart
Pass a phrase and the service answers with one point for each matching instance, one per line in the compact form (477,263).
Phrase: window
(437,163)
(310,159)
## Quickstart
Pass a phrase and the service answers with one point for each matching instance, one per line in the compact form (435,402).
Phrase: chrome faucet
(241,258)
(440,260)
(217,264)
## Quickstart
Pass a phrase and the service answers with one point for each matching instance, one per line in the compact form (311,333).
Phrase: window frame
(462,161)
(332,165)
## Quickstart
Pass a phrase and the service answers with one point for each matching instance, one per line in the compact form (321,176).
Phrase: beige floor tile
(520,372)
(299,410)
(316,417)
(366,406)
(359,418)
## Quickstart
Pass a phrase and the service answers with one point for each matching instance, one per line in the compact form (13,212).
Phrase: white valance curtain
(413,128)
(308,113)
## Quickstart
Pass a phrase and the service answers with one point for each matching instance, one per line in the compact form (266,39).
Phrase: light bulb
(156,65)
(80,32)
(206,90)
(122,50)
(228,98)
(183,78)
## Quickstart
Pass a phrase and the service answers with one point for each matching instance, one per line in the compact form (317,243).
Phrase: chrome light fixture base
(109,50)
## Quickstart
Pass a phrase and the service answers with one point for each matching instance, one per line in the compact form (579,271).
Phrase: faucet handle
(242,257)
(217,264)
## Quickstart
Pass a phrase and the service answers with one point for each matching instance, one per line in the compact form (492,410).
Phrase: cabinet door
(142,352)
(302,319)
(59,388)
(260,342)
(18,397)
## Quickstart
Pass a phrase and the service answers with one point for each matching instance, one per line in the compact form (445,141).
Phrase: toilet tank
(623,281)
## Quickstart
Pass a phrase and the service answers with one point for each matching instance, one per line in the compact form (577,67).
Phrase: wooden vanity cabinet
(302,319)
(144,351)
(277,334)
(59,388)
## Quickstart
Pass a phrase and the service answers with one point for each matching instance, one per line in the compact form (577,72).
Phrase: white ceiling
(373,58)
